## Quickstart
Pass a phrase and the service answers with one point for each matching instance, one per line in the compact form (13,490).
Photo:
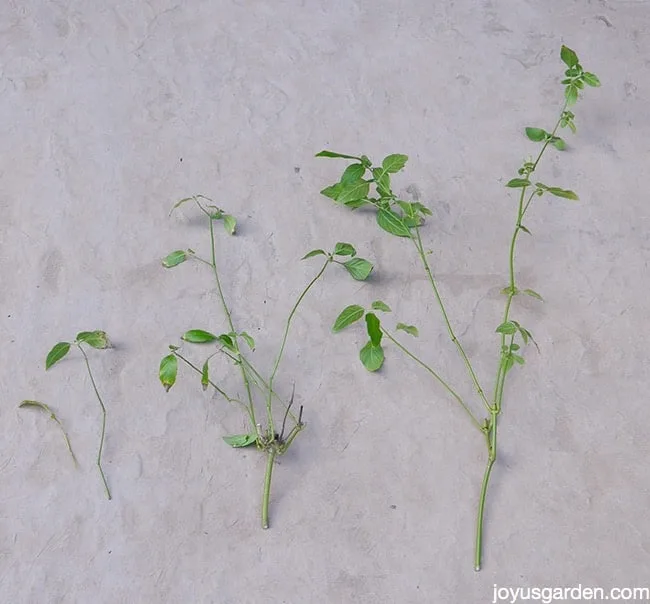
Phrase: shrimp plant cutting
(95,339)
(272,424)
(366,185)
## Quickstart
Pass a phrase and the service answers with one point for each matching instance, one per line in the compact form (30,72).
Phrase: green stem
(418,245)
(436,376)
(101,441)
(284,341)
(267,487)
(492,456)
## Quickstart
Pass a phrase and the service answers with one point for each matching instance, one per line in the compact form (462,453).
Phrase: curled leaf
(53,417)
(198,336)
(409,329)
(97,339)
(333,154)
(229,223)
(174,259)
(314,253)
(379,305)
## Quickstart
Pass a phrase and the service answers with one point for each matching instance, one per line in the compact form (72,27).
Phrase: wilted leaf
(372,356)
(168,371)
(314,253)
(97,339)
(333,154)
(56,354)
(533,294)
(359,268)
(248,339)
(229,223)
(240,440)
(379,305)
(348,315)
(198,336)
(571,94)
(43,407)
(174,259)
(179,203)
(409,329)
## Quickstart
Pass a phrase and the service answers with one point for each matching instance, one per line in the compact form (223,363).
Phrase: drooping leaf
(344,249)
(229,223)
(422,209)
(379,305)
(392,223)
(353,192)
(509,362)
(97,339)
(325,153)
(205,378)
(518,183)
(533,294)
(240,440)
(537,134)
(226,341)
(179,203)
(198,336)
(569,57)
(359,268)
(394,163)
(372,356)
(509,290)
(409,329)
(591,79)
(56,354)
(314,253)
(571,94)
(517,358)
(507,328)
(564,193)
(558,143)
(174,259)
(168,371)
(524,229)
(352,173)
(373,326)
(348,315)
(248,339)
(43,407)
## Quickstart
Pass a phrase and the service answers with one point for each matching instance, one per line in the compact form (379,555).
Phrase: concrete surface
(111,111)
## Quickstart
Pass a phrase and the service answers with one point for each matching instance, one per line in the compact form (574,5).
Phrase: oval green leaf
(571,94)
(536,134)
(507,328)
(372,356)
(348,315)
(569,57)
(240,440)
(394,163)
(392,223)
(56,354)
(344,249)
(168,370)
(353,192)
(518,183)
(97,339)
(198,336)
(373,326)
(591,79)
(174,259)
(359,268)
(564,193)
(352,173)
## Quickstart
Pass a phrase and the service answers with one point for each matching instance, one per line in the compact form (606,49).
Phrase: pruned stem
(267,487)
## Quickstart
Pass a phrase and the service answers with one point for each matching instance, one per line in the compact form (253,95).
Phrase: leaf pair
(358,268)
(214,212)
(539,135)
(522,183)
(97,339)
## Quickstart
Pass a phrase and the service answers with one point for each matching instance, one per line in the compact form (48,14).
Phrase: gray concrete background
(376,503)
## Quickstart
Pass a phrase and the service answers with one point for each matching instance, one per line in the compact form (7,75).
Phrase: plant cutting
(365,185)
(272,423)
(95,339)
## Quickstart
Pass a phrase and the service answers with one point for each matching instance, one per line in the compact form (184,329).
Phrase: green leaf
(591,79)
(198,336)
(97,339)
(379,305)
(517,358)
(565,193)
(352,173)
(226,341)
(314,253)
(508,363)
(533,294)
(382,180)
(524,229)
(359,268)
(240,440)
(410,329)
(514,347)
(422,209)
(56,354)
(168,371)
(558,143)
(248,339)
(348,315)
(372,356)
(507,290)
(174,259)
(537,134)
(344,249)
(43,407)
(507,328)
(353,192)
(392,223)
(179,203)
(332,191)
(518,183)
(373,326)
(571,94)
(333,154)
(357,203)
(229,223)
(569,57)
(394,163)
(205,378)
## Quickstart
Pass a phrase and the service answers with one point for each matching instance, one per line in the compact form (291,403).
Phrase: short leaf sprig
(229,345)
(404,219)
(95,339)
